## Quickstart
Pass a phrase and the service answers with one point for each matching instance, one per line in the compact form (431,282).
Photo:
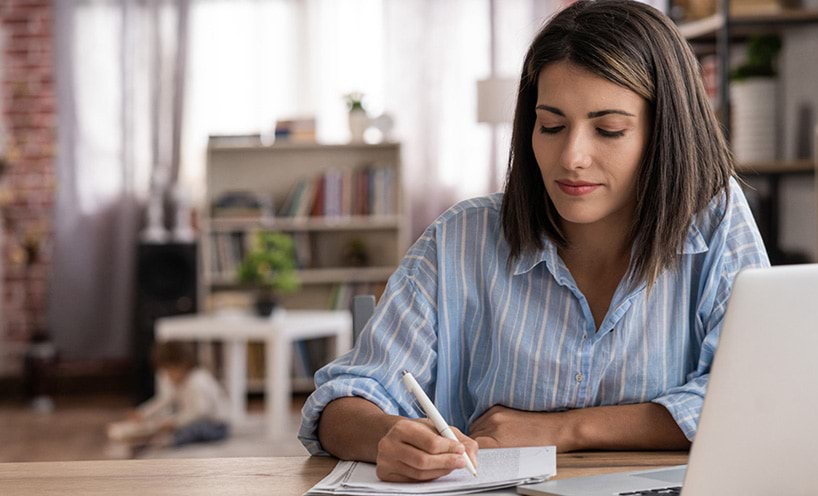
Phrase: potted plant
(753,91)
(270,266)
(358,118)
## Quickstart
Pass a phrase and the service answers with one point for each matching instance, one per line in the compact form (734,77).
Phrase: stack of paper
(497,468)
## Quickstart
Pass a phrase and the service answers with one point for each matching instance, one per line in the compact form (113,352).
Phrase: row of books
(227,250)
(366,190)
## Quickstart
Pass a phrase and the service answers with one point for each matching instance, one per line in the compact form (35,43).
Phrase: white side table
(277,333)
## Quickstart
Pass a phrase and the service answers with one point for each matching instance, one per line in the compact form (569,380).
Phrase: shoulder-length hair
(686,161)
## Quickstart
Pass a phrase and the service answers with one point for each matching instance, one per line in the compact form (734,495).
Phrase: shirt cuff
(340,387)
(685,404)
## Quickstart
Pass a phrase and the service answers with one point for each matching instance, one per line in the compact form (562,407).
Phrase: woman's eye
(550,130)
(610,134)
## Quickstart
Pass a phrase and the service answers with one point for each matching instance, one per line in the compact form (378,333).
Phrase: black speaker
(165,286)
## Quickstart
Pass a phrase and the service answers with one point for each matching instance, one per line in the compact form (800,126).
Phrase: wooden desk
(243,476)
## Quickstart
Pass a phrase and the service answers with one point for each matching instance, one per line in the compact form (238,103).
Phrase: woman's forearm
(350,428)
(644,426)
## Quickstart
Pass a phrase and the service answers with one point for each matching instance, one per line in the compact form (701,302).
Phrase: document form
(498,468)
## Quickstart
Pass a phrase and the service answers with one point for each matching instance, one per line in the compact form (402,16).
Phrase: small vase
(754,120)
(358,122)
(265,303)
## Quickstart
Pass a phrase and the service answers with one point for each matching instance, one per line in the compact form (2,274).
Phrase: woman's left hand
(504,427)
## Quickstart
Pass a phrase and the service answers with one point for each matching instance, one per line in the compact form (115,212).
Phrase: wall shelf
(347,223)
(741,25)
(782,167)
(317,276)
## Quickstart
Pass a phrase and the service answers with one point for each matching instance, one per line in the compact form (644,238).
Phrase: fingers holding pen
(469,444)
(413,451)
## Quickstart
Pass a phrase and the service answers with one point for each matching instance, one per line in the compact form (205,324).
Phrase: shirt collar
(530,259)
(694,243)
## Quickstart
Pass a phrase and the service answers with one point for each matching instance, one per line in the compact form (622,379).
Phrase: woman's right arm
(359,408)
(403,449)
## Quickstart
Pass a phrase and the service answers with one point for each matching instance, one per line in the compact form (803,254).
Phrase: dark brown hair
(174,354)
(686,161)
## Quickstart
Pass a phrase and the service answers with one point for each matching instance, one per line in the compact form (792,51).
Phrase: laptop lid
(759,422)
(758,429)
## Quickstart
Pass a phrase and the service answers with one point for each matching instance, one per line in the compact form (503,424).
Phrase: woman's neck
(596,248)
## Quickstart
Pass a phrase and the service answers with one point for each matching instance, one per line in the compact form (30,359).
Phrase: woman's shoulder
(728,220)
(478,207)
(466,222)
(729,204)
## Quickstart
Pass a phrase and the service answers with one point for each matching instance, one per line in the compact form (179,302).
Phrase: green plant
(761,53)
(355,101)
(270,263)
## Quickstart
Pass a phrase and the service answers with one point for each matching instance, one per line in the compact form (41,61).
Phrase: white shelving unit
(272,172)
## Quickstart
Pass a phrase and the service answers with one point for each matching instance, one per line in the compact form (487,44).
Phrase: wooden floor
(75,430)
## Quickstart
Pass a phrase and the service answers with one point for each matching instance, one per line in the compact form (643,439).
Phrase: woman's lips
(576,188)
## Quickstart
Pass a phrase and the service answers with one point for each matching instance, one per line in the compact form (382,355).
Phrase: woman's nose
(576,153)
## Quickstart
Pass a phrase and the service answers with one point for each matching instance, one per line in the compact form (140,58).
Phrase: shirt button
(578,377)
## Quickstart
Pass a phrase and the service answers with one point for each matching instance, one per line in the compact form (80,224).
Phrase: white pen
(431,412)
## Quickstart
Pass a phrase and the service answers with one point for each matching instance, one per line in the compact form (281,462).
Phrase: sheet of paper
(497,468)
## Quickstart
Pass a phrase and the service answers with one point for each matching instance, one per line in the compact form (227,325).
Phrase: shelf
(702,27)
(744,24)
(329,276)
(256,145)
(792,167)
(322,276)
(355,223)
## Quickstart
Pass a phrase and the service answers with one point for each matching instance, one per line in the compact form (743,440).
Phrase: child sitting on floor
(190,406)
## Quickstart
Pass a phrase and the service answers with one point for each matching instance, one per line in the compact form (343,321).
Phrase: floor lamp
(495,103)
(495,100)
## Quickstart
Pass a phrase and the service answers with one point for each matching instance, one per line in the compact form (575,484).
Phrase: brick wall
(28,128)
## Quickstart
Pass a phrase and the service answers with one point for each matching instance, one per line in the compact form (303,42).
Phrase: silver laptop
(758,431)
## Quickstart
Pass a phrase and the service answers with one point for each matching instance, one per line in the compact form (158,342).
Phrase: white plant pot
(358,122)
(754,120)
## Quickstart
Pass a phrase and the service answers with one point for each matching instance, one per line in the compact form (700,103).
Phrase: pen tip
(405,371)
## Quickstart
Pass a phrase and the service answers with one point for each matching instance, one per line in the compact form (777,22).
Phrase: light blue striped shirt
(477,333)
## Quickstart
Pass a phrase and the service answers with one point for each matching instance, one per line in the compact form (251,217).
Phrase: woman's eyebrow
(600,113)
(591,115)
(553,110)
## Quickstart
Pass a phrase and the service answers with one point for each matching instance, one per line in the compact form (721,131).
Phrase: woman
(583,306)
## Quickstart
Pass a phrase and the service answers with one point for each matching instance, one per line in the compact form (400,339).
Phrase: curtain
(143,83)
(252,62)
(119,101)
(438,50)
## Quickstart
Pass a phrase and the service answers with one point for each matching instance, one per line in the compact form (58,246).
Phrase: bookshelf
(342,205)
(717,34)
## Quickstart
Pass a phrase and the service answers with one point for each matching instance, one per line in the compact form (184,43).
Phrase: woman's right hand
(412,450)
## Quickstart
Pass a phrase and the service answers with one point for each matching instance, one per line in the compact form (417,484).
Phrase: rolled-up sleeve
(400,335)
(736,246)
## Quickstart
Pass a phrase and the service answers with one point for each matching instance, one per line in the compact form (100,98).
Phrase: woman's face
(588,140)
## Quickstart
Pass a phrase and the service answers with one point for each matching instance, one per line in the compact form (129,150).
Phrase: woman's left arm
(643,426)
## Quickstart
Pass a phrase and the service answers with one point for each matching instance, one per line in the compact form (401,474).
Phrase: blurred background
(149,148)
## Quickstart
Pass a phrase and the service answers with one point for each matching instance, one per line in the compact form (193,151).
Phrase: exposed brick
(29,114)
